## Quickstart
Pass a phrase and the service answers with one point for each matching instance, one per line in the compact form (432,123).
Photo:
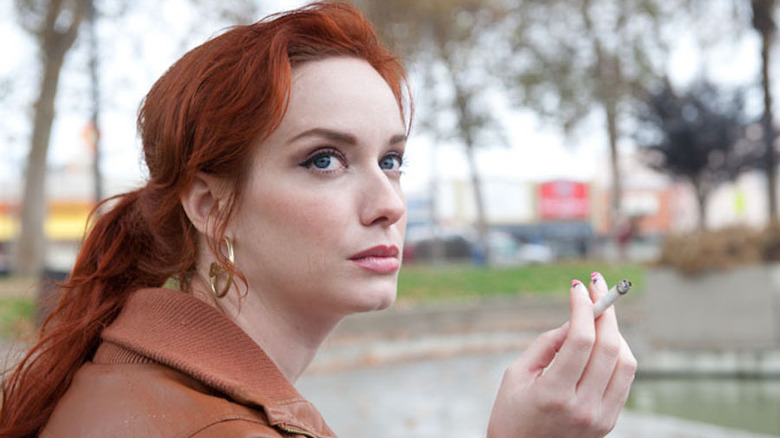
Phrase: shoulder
(130,400)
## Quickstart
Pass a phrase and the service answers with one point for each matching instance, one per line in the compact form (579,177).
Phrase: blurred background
(550,139)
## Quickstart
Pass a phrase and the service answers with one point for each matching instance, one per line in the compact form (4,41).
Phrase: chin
(385,304)
(374,300)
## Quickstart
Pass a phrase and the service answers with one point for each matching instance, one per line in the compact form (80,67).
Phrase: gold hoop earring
(216,269)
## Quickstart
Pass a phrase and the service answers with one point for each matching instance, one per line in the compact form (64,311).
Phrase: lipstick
(380,259)
(621,288)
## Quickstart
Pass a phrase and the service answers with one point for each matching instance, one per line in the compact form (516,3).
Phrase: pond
(751,404)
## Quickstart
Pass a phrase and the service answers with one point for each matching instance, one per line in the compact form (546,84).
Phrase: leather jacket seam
(222,419)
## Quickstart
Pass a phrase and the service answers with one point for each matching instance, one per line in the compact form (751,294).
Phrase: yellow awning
(9,229)
(56,227)
(65,227)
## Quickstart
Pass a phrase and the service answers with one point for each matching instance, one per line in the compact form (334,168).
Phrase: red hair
(205,114)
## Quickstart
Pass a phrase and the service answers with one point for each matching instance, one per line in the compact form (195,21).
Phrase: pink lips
(381,259)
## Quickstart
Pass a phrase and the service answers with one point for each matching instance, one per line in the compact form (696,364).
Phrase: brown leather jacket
(173,366)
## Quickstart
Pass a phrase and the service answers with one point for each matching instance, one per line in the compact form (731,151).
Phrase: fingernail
(595,276)
(574,283)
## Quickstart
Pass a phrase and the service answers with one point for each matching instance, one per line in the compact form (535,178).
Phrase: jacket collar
(180,331)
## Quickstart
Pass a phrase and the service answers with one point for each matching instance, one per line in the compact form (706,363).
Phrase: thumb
(542,351)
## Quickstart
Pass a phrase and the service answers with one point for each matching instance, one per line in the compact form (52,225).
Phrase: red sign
(564,200)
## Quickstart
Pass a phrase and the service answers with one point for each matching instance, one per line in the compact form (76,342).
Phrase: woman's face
(321,224)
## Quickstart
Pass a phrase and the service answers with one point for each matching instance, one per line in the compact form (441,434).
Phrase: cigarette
(618,290)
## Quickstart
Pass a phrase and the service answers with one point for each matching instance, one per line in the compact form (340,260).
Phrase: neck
(288,337)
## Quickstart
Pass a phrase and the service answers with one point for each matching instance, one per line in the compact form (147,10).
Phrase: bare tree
(574,58)
(55,24)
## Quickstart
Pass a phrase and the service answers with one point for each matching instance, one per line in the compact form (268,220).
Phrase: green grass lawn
(16,316)
(416,283)
(427,283)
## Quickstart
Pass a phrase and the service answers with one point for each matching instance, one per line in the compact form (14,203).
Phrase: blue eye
(322,162)
(326,161)
(391,162)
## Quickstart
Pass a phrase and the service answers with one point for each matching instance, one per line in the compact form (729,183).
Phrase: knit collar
(180,331)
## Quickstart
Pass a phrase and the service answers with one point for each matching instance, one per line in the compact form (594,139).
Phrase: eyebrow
(341,137)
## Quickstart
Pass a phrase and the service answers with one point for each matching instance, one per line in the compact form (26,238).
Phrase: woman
(273,210)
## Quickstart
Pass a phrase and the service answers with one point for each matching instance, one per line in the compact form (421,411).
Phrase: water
(747,404)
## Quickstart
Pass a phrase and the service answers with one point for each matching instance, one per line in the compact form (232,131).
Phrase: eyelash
(401,161)
(309,162)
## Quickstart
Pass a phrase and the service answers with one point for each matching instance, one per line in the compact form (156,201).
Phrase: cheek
(300,216)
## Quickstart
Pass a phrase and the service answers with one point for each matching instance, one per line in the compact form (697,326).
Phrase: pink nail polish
(574,283)
(594,276)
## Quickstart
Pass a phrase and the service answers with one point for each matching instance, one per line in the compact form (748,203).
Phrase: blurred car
(505,250)
(427,244)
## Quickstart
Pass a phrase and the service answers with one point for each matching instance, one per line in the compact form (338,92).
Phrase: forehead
(340,93)
(338,74)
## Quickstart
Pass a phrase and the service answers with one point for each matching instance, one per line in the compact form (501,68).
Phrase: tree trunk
(467,126)
(608,92)
(95,97)
(476,184)
(701,200)
(610,112)
(437,246)
(700,185)
(32,241)
(764,23)
(769,129)
(54,45)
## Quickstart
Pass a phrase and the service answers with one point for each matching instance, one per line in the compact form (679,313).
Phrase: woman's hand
(578,394)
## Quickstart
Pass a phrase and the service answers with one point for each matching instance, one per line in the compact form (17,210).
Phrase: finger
(606,350)
(542,351)
(620,384)
(575,351)
(598,286)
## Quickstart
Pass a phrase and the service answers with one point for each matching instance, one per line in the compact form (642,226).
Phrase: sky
(536,151)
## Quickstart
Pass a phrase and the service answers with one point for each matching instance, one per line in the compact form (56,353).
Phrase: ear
(204,197)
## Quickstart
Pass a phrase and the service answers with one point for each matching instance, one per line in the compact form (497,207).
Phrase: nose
(382,202)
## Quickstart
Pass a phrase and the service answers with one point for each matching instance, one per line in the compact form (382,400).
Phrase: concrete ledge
(737,308)
(735,363)
(341,356)
(633,424)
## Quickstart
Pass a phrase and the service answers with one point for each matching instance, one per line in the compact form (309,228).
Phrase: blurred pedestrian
(273,210)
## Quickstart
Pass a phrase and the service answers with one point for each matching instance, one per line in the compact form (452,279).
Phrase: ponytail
(113,261)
